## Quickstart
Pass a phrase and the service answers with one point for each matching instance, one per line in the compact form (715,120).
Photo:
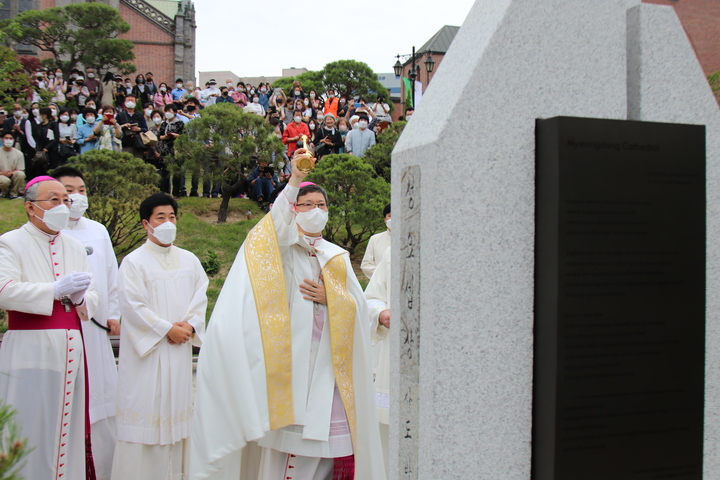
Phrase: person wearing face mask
(328,139)
(102,370)
(67,136)
(377,245)
(162,290)
(15,124)
(254,106)
(12,168)
(239,96)
(86,137)
(178,93)
(224,96)
(93,85)
(315,415)
(49,291)
(331,104)
(151,85)
(45,141)
(262,182)
(79,91)
(343,127)
(107,130)
(264,94)
(58,86)
(162,97)
(132,123)
(171,128)
(140,91)
(210,94)
(343,107)
(152,155)
(293,132)
(361,138)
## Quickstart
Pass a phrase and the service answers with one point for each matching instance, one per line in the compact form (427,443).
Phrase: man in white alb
(102,369)
(47,289)
(377,245)
(377,294)
(286,362)
(163,302)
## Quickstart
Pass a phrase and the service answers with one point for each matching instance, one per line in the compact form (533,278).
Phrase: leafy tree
(714,80)
(356,196)
(220,143)
(116,184)
(12,77)
(350,78)
(13,450)
(308,81)
(78,34)
(379,155)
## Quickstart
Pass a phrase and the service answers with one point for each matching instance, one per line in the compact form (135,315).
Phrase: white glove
(73,285)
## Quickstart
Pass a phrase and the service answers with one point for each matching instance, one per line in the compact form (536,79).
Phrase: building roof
(168,8)
(440,42)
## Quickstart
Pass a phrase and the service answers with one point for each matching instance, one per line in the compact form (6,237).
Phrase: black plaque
(619,300)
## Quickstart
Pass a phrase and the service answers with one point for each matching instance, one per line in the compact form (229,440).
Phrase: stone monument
(464,209)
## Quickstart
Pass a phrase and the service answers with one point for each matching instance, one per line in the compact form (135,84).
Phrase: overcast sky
(254,38)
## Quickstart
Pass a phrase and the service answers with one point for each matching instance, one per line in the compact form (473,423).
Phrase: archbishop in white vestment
(42,371)
(102,369)
(158,286)
(291,374)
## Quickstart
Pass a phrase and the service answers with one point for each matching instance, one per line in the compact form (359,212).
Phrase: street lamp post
(414,70)
(412,74)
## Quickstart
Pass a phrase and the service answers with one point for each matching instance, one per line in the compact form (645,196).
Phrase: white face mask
(64,118)
(263,89)
(9,142)
(178,85)
(256,99)
(229,85)
(311,126)
(53,112)
(342,128)
(73,116)
(313,221)
(306,102)
(163,89)
(79,205)
(56,218)
(387,223)
(157,120)
(312,95)
(90,120)
(91,75)
(148,112)
(17,113)
(169,115)
(130,105)
(297,119)
(128,85)
(165,233)
(36,112)
(362,124)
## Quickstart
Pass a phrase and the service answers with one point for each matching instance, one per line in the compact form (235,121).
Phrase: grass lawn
(198,231)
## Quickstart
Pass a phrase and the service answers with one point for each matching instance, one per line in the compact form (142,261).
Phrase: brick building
(163,32)
(701,21)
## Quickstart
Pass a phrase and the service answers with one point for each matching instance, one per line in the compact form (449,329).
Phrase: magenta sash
(59,319)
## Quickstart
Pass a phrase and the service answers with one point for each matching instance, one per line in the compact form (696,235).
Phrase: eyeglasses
(56,201)
(321,205)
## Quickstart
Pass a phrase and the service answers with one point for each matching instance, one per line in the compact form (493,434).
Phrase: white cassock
(102,370)
(157,287)
(42,372)
(282,371)
(377,245)
(377,294)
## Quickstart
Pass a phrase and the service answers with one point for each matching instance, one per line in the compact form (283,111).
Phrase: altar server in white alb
(378,298)
(286,362)
(101,360)
(163,302)
(377,245)
(47,289)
